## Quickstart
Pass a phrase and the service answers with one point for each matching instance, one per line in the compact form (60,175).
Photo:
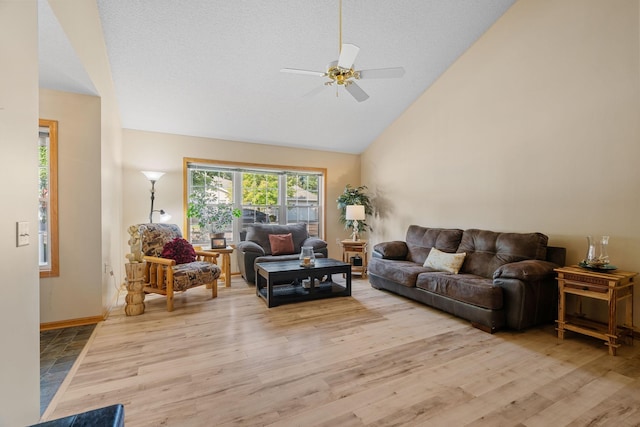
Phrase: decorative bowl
(597,266)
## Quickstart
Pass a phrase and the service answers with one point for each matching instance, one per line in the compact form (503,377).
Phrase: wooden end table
(225,261)
(355,247)
(610,286)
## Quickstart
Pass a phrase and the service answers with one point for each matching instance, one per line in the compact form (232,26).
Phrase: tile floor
(59,349)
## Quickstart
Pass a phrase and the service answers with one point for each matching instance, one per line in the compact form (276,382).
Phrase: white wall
(77,292)
(535,128)
(164,152)
(19,370)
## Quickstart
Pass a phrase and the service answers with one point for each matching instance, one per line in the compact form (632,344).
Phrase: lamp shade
(152,176)
(355,212)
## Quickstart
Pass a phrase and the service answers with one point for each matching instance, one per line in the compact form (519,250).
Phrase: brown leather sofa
(506,279)
(255,246)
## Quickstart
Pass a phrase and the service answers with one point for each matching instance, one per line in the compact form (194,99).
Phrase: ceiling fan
(342,73)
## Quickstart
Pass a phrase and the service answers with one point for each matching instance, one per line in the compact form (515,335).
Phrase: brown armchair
(162,275)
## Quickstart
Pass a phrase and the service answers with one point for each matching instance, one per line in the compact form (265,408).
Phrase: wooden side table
(351,248)
(225,263)
(613,287)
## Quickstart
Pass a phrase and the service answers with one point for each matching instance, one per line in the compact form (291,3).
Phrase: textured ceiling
(211,68)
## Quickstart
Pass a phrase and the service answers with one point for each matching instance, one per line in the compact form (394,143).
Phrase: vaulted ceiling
(211,68)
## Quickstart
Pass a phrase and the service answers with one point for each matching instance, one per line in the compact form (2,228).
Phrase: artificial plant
(355,196)
(212,216)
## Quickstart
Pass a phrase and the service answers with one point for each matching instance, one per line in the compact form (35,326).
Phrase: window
(48,198)
(261,193)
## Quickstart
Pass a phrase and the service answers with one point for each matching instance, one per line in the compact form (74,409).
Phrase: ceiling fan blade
(305,72)
(382,73)
(356,91)
(348,54)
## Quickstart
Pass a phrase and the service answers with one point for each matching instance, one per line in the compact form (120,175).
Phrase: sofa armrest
(315,243)
(249,246)
(530,292)
(391,250)
(527,270)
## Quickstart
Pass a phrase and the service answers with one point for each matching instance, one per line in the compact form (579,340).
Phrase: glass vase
(597,251)
(591,251)
(307,257)
(603,257)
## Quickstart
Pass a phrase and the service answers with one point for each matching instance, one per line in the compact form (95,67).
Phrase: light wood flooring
(373,359)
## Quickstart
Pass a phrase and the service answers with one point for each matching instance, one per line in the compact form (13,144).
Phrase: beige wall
(81,23)
(164,152)
(534,128)
(19,370)
(77,292)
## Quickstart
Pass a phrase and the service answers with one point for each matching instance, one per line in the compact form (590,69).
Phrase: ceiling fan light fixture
(342,71)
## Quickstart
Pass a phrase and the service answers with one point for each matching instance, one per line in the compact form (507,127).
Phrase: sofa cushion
(259,233)
(488,250)
(420,240)
(281,244)
(468,288)
(402,272)
(443,261)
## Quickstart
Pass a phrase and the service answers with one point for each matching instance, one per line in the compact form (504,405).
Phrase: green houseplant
(354,196)
(213,217)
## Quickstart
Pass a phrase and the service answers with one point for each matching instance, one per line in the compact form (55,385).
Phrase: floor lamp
(153,177)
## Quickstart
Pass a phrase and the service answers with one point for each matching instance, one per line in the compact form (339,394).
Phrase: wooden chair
(163,276)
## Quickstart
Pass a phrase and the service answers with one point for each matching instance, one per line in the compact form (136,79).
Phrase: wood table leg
(562,299)
(613,322)
(226,269)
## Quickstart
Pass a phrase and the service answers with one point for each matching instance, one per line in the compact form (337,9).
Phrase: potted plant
(216,218)
(354,196)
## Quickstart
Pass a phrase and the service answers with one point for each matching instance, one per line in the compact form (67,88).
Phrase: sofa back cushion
(420,240)
(259,233)
(488,250)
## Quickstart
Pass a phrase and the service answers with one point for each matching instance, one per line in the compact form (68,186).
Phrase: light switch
(22,232)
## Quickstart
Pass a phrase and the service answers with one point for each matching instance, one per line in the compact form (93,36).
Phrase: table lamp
(355,213)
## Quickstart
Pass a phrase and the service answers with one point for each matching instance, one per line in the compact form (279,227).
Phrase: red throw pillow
(179,250)
(281,244)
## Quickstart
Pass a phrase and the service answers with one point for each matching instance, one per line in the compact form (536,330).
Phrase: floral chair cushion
(153,237)
(195,273)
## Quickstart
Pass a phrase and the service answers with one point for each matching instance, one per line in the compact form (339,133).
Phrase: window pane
(43,198)
(211,192)
(48,198)
(303,199)
(259,189)
(263,196)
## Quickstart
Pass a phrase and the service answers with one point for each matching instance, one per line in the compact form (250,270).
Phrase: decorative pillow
(444,261)
(281,244)
(179,250)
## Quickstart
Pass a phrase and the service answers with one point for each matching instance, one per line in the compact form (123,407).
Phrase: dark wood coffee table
(280,282)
